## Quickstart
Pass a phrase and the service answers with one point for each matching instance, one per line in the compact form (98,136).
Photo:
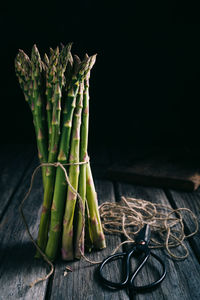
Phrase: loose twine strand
(126,217)
(56,164)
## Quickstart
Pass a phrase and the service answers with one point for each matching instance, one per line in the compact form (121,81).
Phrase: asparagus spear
(48,93)
(95,228)
(37,103)
(67,241)
(79,238)
(53,147)
(24,71)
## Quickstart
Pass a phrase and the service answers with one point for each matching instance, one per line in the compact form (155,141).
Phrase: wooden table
(18,268)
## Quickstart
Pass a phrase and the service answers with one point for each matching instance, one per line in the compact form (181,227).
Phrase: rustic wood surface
(13,164)
(18,268)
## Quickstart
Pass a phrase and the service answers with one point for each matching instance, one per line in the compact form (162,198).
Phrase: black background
(145,86)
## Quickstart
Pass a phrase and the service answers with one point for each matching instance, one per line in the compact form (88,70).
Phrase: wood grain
(178,283)
(18,268)
(13,163)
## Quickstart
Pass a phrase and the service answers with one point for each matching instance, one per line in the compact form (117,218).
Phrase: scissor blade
(144,234)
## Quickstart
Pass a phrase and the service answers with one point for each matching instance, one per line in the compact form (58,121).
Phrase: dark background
(145,86)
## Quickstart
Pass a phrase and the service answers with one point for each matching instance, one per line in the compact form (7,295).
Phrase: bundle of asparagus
(57,91)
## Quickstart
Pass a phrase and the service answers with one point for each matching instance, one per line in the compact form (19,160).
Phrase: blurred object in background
(176,168)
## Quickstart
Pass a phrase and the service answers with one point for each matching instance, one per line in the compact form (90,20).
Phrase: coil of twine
(167,224)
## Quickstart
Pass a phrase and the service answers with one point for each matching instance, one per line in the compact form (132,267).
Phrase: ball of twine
(167,224)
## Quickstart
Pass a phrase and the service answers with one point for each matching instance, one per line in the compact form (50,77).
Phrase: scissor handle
(126,256)
(151,285)
(107,261)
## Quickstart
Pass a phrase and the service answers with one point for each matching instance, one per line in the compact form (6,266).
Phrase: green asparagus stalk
(50,86)
(48,94)
(95,227)
(24,71)
(44,220)
(67,241)
(37,102)
(53,148)
(60,183)
(80,230)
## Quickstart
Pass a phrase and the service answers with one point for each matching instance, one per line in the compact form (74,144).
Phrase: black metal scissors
(140,248)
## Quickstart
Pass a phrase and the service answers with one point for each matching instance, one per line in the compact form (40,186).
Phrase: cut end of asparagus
(67,255)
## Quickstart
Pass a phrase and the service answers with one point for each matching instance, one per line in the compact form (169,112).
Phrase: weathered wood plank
(192,201)
(82,283)
(18,268)
(14,159)
(178,284)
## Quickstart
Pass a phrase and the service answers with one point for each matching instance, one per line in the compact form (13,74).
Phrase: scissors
(139,248)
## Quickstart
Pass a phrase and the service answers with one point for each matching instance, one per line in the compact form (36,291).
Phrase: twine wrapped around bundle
(167,224)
